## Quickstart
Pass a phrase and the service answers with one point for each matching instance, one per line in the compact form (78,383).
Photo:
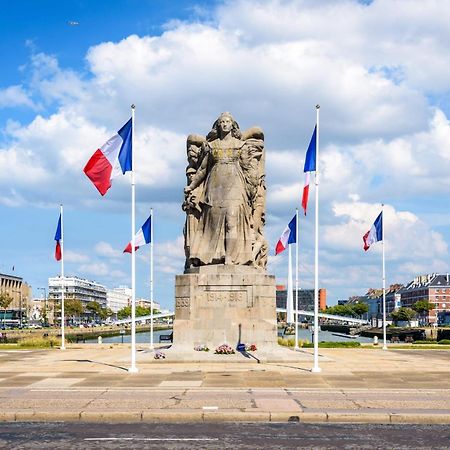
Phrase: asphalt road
(221,436)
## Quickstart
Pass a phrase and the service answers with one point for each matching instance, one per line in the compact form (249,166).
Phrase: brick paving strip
(91,383)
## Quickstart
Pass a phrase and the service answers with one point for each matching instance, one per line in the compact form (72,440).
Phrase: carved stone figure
(225,197)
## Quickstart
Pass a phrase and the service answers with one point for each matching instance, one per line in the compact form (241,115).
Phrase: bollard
(99,339)
(375,340)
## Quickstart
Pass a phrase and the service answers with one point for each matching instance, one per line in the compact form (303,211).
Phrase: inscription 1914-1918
(226,297)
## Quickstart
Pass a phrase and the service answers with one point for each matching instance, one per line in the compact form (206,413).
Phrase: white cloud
(75,257)
(94,269)
(169,256)
(13,96)
(406,236)
(107,250)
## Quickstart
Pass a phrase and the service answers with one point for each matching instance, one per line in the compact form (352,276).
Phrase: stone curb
(195,415)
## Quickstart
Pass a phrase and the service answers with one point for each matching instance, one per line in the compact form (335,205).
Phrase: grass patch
(444,342)
(38,342)
(307,344)
(351,344)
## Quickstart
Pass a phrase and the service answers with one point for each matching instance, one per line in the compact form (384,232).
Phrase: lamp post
(20,306)
(45,303)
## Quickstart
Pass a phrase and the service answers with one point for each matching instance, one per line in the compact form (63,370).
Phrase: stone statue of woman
(225,197)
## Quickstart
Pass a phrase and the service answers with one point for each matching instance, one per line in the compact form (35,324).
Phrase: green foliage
(346,344)
(125,312)
(94,307)
(73,307)
(422,306)
(404,314)
(425,342)
(348,310)
(360,308)
(38,342)
(444,342)
(5,300)
(306,344)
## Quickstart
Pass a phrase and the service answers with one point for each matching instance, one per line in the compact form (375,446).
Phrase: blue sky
(379,70)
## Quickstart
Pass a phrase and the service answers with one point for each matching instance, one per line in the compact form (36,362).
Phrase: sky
(379,70)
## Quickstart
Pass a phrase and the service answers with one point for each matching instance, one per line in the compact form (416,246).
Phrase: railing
(327,316)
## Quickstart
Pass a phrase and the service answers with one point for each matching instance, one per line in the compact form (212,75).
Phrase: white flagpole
(296,281)
(289,299)
(63,340)
(316,367)
(151,279)
(384,279)
(133,367)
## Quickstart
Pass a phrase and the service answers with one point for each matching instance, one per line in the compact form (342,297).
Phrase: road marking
(211,408)
(151,439)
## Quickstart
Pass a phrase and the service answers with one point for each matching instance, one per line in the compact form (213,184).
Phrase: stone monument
(225,294)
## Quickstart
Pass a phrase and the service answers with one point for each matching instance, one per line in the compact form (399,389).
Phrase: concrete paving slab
(276,405)
(181,383)
(55,383)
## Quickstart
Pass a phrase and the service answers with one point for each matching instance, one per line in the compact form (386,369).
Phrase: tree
(105,313)
(5,300)
(125,312)
(360,308)
(404,314)
(94,308)
(422,307)
(72,307)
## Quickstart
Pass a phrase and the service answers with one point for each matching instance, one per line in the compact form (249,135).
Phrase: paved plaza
(91,383)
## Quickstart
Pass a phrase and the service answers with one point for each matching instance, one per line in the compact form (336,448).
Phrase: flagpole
(63,341)
(133,367)
(384,279)
(296,280)
(151,279)
(289,299)
(316,367)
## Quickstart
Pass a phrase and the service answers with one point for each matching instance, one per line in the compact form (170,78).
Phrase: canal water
(303,334)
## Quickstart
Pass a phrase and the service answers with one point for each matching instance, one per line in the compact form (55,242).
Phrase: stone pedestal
(219,304)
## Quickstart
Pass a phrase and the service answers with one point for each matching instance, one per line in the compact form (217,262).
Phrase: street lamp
(45,303)
(20,306)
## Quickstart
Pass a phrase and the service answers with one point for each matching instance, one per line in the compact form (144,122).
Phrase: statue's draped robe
(225,232)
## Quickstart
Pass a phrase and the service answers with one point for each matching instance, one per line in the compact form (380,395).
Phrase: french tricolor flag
(58,237)
(111,159)
(289,236)
(143,236)
(310,166)
(375,234)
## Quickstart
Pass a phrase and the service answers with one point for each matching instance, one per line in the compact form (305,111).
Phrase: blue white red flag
(143,236)
(310,166)
(111,159)
(375,234)
(58,253)
(289,236)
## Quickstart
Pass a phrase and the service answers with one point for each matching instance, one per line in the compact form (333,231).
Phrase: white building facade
(77,288)
(118,298)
